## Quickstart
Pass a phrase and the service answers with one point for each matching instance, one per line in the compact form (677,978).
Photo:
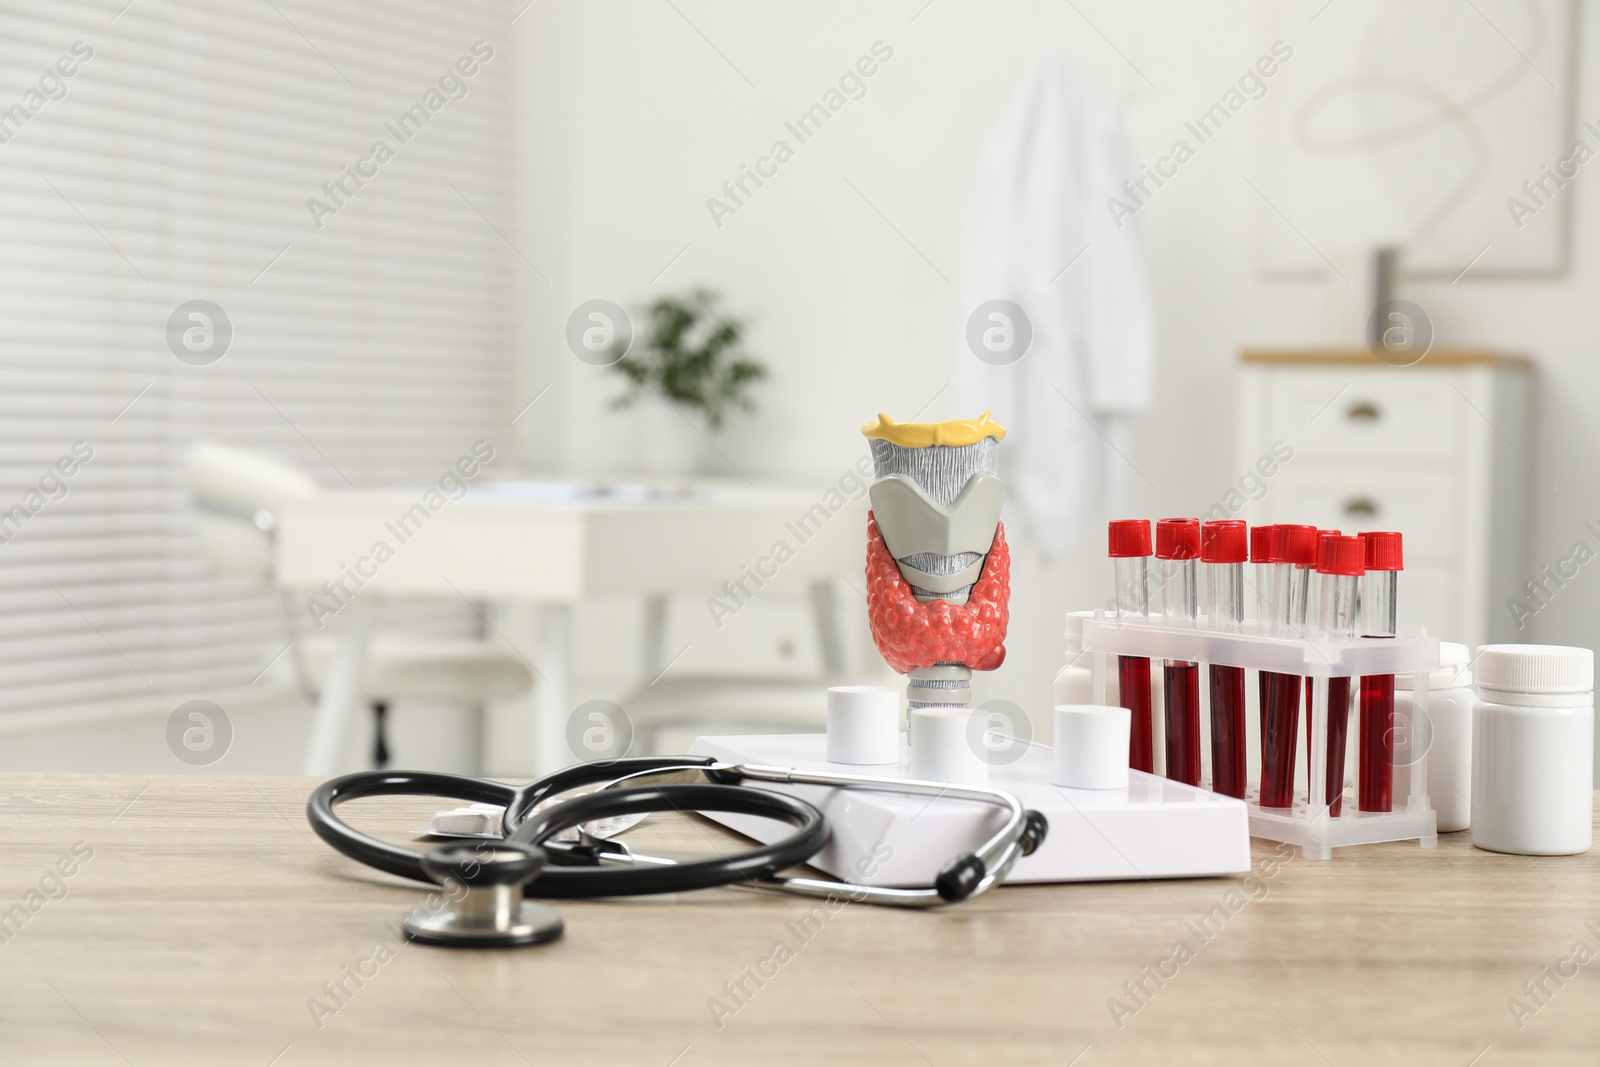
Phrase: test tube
(1130,553)
(1293,553)
(1375,781)
(1341,561)
(1316,555)
(1262,542)
(1178,549)
(1222,550)
(1298,557)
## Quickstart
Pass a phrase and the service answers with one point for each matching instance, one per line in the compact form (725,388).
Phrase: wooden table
(209,916)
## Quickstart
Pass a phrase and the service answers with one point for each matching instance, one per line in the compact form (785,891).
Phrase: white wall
(633,119)
(630,118)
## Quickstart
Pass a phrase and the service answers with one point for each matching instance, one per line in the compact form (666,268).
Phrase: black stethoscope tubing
(748,866)
(571,882)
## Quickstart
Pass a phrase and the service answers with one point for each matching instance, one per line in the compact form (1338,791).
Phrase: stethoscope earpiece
(1034,828)
(483,886)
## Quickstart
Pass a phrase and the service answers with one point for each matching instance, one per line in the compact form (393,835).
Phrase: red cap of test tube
(1129,537)
(1383,551)
(1341,555)
(1224,541)
(1297,545)
(1178,539)
(1262,541)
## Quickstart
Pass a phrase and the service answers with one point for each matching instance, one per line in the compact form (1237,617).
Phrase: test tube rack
(1310,827)
(1151,829)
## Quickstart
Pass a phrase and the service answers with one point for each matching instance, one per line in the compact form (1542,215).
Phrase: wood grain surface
(196,920)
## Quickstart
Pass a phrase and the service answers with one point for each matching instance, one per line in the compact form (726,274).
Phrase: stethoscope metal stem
(489,906)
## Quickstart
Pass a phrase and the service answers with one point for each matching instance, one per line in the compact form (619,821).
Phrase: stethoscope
(484,883)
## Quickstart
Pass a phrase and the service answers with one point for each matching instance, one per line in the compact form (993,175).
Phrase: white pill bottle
(1533,750)
(1447,734)
(1073,683)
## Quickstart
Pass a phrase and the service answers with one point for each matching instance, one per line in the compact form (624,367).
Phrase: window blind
(180,160)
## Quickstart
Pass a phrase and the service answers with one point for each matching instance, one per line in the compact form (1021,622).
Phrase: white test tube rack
(1313,829)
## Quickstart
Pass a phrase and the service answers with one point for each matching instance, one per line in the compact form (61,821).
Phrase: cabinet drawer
(1388,413)
(772,636)
(1423,504)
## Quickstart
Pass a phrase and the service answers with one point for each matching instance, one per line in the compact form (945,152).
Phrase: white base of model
(1154,828)
(863,725)
(946,746)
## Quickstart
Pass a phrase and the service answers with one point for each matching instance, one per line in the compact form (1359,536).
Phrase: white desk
(551,545)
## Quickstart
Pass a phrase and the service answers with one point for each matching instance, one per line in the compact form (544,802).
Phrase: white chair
(734,704)
(237,493)
(726,705)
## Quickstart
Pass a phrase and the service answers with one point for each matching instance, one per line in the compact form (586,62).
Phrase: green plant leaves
(692,353)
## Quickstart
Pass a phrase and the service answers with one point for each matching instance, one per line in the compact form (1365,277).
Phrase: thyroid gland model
(938,570)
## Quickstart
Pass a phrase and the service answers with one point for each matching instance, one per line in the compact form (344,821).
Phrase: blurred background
(263,260)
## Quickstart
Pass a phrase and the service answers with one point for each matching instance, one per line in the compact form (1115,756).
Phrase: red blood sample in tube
(1228,739)
(1223,547)
(1338,738)
(1263,541)
(1294,553)
(1130,548)
(1178,547)
(1375,781)
(1183,720)
(1133,679)
(1318,556)
(1283,725)
(1341,561)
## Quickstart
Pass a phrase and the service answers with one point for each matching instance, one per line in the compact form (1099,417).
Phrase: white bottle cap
(1091,746)
(947,745)
(1521,674)
(863,725)
(1455,661)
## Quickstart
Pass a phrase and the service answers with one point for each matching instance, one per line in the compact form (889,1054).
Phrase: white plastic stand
(1311,828)
(947,745)
(1091,746)
(1152,828)
(863,724)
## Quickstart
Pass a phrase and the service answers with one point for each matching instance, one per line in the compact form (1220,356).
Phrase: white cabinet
(1439,451)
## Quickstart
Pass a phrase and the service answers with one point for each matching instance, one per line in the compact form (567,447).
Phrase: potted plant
(685,374)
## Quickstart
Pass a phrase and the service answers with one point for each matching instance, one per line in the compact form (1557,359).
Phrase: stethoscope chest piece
(483,883)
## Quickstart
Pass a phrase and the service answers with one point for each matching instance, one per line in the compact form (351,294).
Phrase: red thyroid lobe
(913,634)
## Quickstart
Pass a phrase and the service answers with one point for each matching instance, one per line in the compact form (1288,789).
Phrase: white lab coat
(1071,404)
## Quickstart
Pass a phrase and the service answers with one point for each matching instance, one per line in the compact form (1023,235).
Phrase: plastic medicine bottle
(1072,682)
(1447,733)
(1532,750)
